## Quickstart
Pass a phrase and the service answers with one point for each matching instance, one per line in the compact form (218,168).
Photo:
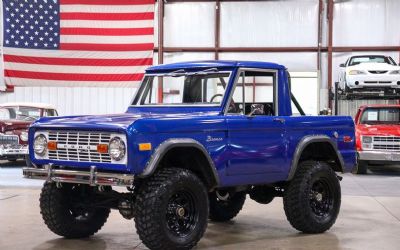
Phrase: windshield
(371,59)
(19,113)
(183,88)
(380,116)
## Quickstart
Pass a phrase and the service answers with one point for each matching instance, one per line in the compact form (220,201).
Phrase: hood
(115,122)
(385,130)
(374,66)
(11,125)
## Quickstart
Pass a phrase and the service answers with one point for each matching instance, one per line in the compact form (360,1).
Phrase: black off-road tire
(361,168)
(301,197)
(225,210)
(56,212)
(155,209)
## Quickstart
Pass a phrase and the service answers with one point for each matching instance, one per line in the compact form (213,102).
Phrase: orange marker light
(102,148)
(52,145)
(144,146)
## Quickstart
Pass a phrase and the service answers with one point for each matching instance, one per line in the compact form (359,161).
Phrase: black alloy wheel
(182,214)
(321,198)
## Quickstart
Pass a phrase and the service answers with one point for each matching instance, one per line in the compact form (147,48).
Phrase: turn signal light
(144,146)
(52,145)
(102,148)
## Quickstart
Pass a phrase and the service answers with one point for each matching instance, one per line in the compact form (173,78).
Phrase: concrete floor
(369,219)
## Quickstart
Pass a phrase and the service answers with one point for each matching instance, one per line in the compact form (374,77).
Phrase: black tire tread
(225,213)
(51,209)
(146,222)
(361,168)
(296,208)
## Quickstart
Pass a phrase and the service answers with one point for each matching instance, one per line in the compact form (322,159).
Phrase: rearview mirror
(342,65)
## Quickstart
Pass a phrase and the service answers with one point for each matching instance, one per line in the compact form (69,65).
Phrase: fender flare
(169,144)
(304,142)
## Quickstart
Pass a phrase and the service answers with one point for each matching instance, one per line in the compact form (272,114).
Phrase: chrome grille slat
(386,143)
(79,138)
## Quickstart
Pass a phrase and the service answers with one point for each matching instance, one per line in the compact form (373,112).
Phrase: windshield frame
(143,84)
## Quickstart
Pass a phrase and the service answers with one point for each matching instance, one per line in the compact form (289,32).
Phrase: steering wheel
(215,96)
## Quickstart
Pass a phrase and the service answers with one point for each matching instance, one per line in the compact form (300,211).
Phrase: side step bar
(92,177)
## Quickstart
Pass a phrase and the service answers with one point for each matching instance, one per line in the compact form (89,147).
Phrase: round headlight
(117,149)
(24,136)
(40,144)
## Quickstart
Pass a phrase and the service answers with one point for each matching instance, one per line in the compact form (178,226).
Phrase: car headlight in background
(367,142)
(356,72)
(117,149)
(40,144)
(367,139)
(395,72)
(24,136)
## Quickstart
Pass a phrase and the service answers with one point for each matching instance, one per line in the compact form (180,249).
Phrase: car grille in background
(377,71)
(68,143)
(9,139)
(376,82)
(386,143)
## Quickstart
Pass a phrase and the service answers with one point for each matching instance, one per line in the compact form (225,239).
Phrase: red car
(15,119)
(377,135)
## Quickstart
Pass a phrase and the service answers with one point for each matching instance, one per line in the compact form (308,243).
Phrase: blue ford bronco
(197,138)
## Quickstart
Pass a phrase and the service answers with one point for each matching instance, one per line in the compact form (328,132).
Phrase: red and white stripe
(102,43)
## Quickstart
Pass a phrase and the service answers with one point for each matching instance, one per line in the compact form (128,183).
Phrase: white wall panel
(187,56)
(269,24)
(189,24)
(293,61)
(75,101)
(366,23)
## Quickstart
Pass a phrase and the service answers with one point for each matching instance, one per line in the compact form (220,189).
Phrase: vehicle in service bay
(190,151)
(15,119)
(377,135)
(369,73)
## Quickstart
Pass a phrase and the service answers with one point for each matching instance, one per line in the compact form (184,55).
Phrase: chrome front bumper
(379,156)
(10,151)
(92,177)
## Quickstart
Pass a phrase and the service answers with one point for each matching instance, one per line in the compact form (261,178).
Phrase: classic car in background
(377,135)
(15,119)
(369,73)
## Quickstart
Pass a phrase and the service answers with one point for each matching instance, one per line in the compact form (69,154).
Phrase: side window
(50,112)
(254,94)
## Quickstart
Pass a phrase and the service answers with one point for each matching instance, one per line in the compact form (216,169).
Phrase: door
(256,135)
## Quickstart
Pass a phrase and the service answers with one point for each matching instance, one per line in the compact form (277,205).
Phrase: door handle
(280,120)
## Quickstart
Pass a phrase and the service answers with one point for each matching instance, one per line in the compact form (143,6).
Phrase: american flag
(77,42)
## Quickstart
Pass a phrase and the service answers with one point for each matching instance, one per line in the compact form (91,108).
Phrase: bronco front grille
(79,146)
(386,143)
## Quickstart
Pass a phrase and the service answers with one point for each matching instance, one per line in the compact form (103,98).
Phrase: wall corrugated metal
(350,107)
(74,101)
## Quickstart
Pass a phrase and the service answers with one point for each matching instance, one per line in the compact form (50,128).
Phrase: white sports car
(369,73)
